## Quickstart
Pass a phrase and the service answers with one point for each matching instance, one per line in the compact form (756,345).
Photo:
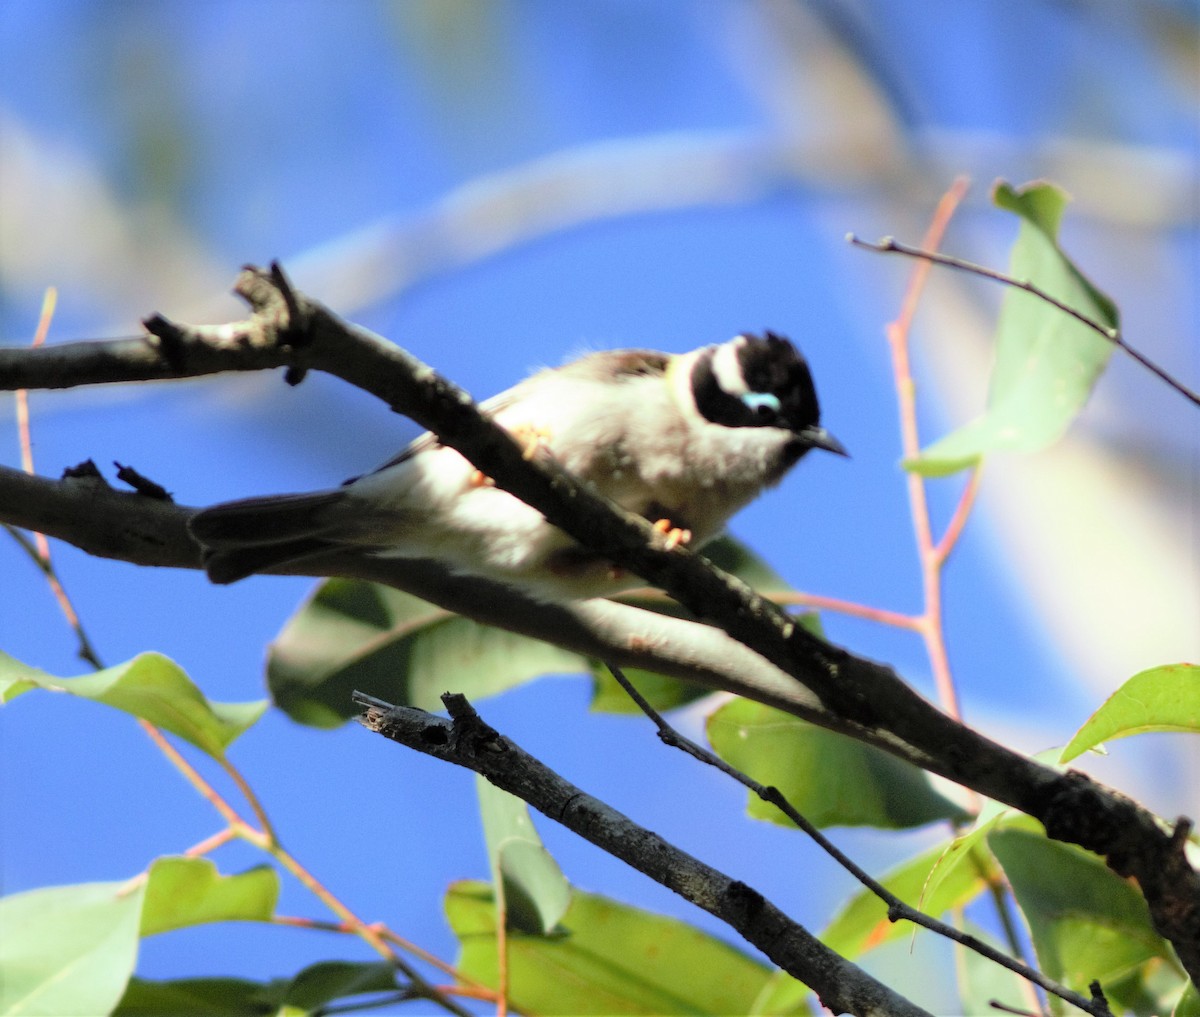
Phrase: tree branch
(890,245)
(898,909)
(85,511)
(850,694)
(465,740)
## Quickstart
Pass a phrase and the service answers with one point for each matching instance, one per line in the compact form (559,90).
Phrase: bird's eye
(763,405)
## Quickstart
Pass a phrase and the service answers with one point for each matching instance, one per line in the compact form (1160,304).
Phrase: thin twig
(49,303)
(898,910)
(252,799)
(364,931)
(502,970)
(958,520)
(889,245)
(850,608)
(930,622)
(933,555)
(87,651)
(266,842)
(466,740)
(210,794)
(995,1004)
(795,598)
(39,550)
(211,843)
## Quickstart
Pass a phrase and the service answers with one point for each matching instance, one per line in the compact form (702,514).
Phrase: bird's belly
(437,506)
(475,528)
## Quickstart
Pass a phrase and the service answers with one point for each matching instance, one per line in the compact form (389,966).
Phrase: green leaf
(1154,988)
(783,996)
(968,848)
(310,991)
(536,894)
(610,959)
(1047,362)
(149,686)
(661,692)
(190,891)
(356,635)
(832,780)
(320,984)
(1086,922)
(863,924)
(68,949)
(1188,1004)
(980,980)
(1160,699)
(193,997)
(77,945)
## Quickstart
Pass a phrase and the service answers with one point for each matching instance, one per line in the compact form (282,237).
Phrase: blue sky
(717,152)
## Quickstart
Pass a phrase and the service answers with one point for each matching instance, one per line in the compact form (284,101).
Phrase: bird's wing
(613,364)
(618,364)
(429,440)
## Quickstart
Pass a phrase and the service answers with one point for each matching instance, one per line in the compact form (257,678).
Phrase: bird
(684,440)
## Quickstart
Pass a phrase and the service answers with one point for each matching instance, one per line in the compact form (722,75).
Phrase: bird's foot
(531,438)
(480,479)
(675,537)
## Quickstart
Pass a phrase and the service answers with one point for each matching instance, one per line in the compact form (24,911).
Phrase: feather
(235,563)
(253,522)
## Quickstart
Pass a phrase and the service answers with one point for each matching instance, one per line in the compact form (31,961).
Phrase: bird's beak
(818,437)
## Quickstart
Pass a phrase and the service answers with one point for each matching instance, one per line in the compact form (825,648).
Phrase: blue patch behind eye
(757,400)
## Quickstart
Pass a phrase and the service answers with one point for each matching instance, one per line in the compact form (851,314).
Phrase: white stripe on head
(727,369)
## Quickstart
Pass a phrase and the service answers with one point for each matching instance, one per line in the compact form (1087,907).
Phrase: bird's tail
(258,534)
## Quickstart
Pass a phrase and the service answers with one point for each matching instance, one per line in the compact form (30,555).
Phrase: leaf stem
(202,787)
(797,598)
(369,933)
(958,520)
(851,608)
(388,935)
(252,799)
(266,841)
(210,844)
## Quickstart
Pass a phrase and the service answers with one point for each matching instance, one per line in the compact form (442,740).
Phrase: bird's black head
(760,381)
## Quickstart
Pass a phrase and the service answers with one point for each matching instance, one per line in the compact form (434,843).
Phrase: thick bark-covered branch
(83,510)
(848,693)
(467,741)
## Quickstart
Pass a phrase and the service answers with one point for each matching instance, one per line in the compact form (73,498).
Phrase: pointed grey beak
(818,437)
